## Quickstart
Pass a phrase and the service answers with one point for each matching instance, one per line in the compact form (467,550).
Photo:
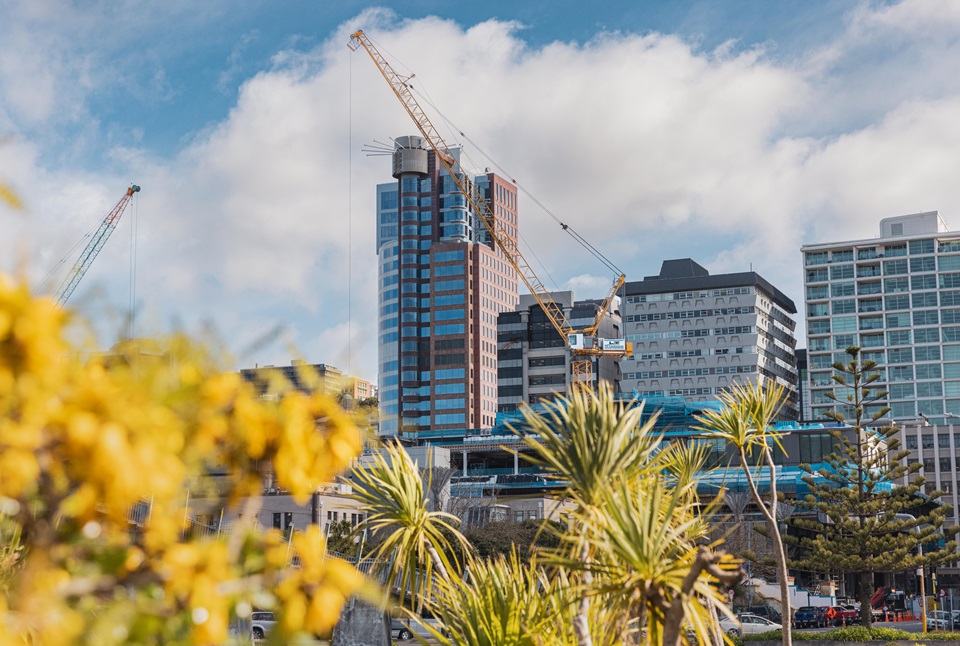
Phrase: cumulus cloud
(648,146)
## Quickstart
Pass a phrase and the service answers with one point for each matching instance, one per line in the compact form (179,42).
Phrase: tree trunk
(581,623)
(865,585)
(437,562)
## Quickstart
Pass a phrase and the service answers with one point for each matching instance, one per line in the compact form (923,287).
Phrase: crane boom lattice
(93,248)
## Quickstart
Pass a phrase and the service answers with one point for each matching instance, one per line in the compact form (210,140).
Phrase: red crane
(93,248)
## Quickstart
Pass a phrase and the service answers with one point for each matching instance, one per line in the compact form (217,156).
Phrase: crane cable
(133,267)
(68,255)
(566,227)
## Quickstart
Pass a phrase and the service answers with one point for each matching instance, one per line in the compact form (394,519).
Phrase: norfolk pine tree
(874,524)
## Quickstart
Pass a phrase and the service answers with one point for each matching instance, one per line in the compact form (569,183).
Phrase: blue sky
(730,132)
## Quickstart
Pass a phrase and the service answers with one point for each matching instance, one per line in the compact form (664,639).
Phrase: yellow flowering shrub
(84,441)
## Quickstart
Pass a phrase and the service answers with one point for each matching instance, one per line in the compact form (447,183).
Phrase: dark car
(808,617)
(821,616)
(766,612)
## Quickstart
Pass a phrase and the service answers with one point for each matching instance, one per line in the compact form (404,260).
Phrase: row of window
(676,296)
(689,314)
(890,303)
(690,372)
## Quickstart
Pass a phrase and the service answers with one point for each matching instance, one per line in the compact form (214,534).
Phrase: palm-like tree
(637,518)
(745,423)
(414,542)
(587,441)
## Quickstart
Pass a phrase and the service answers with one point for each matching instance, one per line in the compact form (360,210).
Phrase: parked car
(766,612)
(403,627)
(841,616)
(752,625)
(955,617)
(822,616)
(852,614)
(806,617)
(261,624)
(939,620)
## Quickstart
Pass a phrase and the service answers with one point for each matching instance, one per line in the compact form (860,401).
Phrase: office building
(897,297)
(695,335)
(442,285)
(299,375)
(534,361)
(937,449)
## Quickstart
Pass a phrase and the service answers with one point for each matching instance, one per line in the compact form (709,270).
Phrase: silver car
(261,624)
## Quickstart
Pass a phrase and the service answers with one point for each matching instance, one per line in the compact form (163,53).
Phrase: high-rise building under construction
(441,286)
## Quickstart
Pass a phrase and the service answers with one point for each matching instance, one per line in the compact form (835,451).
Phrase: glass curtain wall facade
(897,297)
(441,286)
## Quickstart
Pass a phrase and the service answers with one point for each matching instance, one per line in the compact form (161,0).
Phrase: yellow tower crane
(584,346)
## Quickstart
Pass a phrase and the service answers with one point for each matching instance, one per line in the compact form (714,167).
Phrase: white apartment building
(897,297)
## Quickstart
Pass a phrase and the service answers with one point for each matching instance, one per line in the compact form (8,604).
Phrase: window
(449,373)
(898,337)
(893,267)
(817,275)
(871,323)
(895,285)
(836,290)
(819,327)
(930,389)
(872,287)
(841,272)
(871,340)
(921,265)
(448,256)
(842,256)
(448,315)
(815,446)
(928,353)
(816,258)
(448,418)
(929,371)
(921,246)
(871,305)
(844,341)
(848,306)
(925,300)
(950,281)
(453,328)
(447,270)
(897,302)
(900,355)
(448,285)
(817,309)
(901,391)
(924,281)
(845,324)
(898,320)
(819,291)
(276,520)
(892,251)
(912,442)
(928,335)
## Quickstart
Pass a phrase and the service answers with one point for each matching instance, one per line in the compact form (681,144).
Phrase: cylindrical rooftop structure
(409,156)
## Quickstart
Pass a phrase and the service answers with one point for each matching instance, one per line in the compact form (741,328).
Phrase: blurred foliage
(87,441)
(500,538)
(7,195)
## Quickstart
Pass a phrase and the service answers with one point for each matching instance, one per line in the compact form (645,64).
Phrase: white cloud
(646,145)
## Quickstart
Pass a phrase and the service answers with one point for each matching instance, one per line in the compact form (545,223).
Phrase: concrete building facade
(534,363)
(442,285)
(897,297)
(695,335)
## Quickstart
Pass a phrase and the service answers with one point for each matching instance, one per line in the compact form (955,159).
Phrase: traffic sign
(943,593)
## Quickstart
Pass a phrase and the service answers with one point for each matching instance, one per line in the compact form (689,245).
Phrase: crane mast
(582,361)
(93,248)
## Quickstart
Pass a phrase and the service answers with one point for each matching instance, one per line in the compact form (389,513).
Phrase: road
(908,626)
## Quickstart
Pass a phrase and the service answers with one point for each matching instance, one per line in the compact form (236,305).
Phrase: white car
(748,625)
(939,620)
(261,624)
